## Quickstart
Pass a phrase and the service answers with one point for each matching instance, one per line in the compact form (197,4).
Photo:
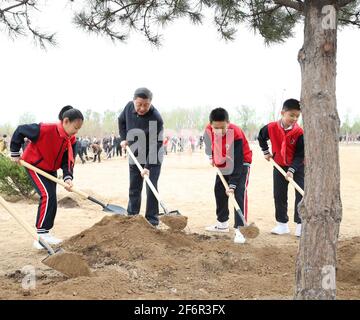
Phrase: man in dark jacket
(141,128)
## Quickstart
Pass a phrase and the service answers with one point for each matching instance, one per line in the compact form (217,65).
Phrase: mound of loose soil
(131,260)
(68,203)
(348,269)
(175,263)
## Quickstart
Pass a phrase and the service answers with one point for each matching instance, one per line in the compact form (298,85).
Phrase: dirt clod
(174,222)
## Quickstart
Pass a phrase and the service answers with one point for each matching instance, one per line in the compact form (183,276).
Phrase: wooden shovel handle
(291,180)
(150,184)
(24,224)
(52,178)
(231,196)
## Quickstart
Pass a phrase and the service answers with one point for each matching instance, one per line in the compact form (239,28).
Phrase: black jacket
(132,127)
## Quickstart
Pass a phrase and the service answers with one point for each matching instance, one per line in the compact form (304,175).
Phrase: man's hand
(70,185)
(289,175)
(124,144)
(145,172)
(268,156)
(230,192)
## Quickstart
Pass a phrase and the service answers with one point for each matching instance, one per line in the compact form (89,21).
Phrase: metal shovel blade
(251,231)
(115,209)
(70,264)
(174,220)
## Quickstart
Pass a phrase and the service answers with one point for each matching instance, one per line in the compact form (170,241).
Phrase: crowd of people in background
(180,143)
(350,138)
(93,149)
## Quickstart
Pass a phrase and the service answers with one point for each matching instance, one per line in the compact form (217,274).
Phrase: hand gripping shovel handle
(147,179)
(52,178)
(26,226)
(282,171)
(231,196)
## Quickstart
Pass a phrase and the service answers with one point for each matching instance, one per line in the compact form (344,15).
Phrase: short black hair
(71,113)
(143,93)
(219,114)
(291,104)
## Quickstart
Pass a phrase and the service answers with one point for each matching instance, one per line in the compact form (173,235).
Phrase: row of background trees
(101,124)
(274,20)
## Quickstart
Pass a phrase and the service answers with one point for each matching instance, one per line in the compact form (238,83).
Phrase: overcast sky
(194,67)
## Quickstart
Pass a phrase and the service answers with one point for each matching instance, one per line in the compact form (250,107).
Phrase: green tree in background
(246,118)
(110,123)
(26,118)
(7,129)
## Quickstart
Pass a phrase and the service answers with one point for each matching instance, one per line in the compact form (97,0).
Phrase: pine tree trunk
(321,209)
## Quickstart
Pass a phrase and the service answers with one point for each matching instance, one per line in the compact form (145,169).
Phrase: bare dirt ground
(132,260)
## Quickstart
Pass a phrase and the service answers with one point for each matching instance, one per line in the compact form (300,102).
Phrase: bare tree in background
(246,118)
(26,118)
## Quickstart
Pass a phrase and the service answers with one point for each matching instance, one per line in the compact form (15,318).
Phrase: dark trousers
(80,154)
(108,151)
(113,149)
(281,195)
(136,185)
(48,202)
(118,150)
(84,152)
(222,200)
(98,156)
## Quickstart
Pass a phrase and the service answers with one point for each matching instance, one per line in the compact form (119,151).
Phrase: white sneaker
(298,230)
(50,239)
(37,245)
(218,227)
(281,228)
(239,238)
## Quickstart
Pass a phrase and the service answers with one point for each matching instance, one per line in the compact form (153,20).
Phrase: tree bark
(321,208)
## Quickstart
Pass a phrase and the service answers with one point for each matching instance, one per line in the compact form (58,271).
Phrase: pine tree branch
(349,17)
(18,22)
(298,5)
(8,9)
(343,3)
(352,22)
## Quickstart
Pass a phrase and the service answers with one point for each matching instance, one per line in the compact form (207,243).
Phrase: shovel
(291,180)
(108,208)
(172,219)
(248,230)
(70,264)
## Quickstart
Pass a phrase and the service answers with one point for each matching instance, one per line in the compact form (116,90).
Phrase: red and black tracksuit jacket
(288,151)
(232,154)
(287,145)
(50,149)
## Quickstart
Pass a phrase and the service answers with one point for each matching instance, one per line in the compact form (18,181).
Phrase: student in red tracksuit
(52,147)
(228,149)
(287,145)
